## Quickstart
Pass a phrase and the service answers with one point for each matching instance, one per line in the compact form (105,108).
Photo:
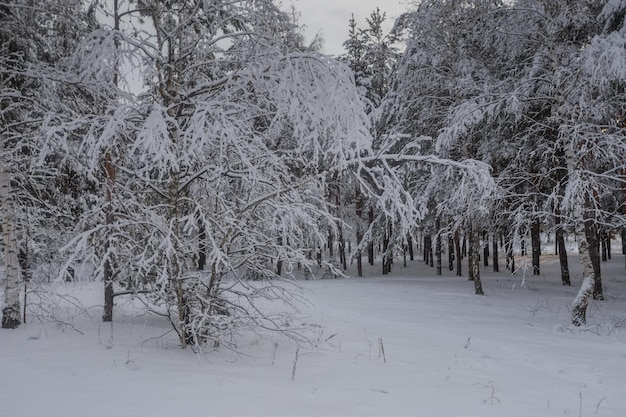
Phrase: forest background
(248,159)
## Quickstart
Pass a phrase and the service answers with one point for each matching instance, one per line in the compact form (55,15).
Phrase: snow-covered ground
(407,344)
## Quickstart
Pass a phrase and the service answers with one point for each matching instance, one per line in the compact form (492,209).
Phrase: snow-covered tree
(220,165)
(36,39)
(372,56)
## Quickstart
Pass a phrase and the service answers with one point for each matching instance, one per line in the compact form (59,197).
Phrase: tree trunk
(410,245)
(474,259)
(404,255)
(279,262)
(450,252)
(510,256)
(560,242)
(431,257)
(385,262)
(470,254)
(486,249)
(603,244)
(342,242)
(11,312)
(624,244)
(496,265)
(370,246)
(438,248)
(581,302)
(329,243)
(110,171)
(201,245)
(457,250)
(359,231)
(591,233)
(535,245)
(464,247)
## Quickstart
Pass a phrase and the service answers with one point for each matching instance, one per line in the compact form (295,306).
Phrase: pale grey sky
(330,17)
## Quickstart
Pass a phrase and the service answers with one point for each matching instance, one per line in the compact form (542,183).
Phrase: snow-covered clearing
(447,352)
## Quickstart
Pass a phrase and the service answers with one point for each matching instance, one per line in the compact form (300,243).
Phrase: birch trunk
(581,302)
(11,310)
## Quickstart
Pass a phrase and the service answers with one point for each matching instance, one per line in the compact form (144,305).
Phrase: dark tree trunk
(201,245)
(457,250)
(486,249)
(384,257)
(510,259)
(110,171)
(624,243)
(560,243)
(385,250)
(426,249)
(450,252)
(410,244)
(386,262)
(431,258)
(556,244)
(496,264)
(279,262)
(342,254)
(404,255)
(438,247)
(330,244)
(471,254)
(370,246)
(359,231)
(342,242)
(535,245)
(592,240)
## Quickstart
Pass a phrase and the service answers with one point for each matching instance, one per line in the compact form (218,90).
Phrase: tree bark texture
(359,231)
(585,293)
(457,250)
(591,232)
(535,239)
(450,252)
(110,172)
(370,246)
(562,251)
(438,249)
(486,249)
(494,247)
(475,259)
(11,312)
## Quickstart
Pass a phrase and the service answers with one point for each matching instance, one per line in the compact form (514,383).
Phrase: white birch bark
(580,303)
(11,310)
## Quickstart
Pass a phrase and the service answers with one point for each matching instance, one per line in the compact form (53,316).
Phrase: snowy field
(407,344)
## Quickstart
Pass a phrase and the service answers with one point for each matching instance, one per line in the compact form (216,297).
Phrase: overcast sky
(330,17)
